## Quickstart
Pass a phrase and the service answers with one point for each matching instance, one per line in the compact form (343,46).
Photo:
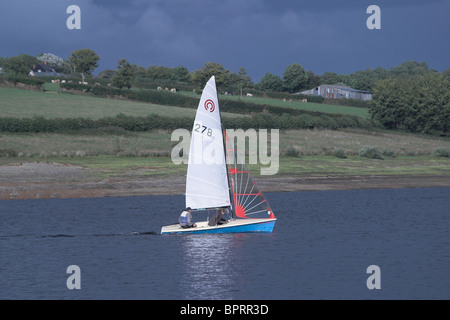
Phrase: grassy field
(309,106)
(117,153)
(114,167)
(316,141)
(158,143)
(25,104)
(18,103)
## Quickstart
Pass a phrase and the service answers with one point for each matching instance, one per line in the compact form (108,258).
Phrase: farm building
(44,70)
(335,91)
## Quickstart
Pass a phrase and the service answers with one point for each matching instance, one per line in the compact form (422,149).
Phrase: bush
(388,153)
(292,152)
(339,153)
(370,152)
(24,79)
(75,86)
(442,152)
(305,121)
(7,153)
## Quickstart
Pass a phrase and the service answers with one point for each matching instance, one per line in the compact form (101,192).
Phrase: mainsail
(207,179)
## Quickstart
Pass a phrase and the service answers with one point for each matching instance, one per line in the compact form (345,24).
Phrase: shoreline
(54,180)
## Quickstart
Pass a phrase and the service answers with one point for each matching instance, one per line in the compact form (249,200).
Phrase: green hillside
(312,152)
(19,103)
(297,104)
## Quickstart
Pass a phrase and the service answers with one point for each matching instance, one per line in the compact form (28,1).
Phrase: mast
(225,153)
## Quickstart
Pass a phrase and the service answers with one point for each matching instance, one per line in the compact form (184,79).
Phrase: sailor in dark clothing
(217,218)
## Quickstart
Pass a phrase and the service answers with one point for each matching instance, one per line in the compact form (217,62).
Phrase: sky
(260,35)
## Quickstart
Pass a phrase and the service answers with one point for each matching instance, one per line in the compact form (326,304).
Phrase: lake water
(321,247)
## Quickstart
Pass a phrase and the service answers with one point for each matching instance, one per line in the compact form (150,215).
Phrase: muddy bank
(54,180)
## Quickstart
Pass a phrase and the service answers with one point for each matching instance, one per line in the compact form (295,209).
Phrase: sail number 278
(203,129)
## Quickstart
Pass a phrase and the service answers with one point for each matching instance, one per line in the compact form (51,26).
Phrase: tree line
(413,103)
(294,79)
(410,96)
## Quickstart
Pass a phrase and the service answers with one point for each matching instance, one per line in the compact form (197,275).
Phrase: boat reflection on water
(208,266)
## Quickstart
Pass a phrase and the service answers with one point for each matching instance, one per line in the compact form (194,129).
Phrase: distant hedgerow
(370,152)
(153,121)
(441,152)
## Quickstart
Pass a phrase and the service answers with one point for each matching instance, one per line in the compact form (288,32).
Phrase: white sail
(207,180)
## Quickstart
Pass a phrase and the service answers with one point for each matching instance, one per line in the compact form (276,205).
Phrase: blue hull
(264,226)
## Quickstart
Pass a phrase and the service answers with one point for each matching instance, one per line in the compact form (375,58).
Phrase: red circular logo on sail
(209,105)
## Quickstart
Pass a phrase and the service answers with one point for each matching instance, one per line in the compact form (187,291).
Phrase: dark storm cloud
(260,35)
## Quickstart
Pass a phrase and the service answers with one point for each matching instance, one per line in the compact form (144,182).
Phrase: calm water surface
(321,246)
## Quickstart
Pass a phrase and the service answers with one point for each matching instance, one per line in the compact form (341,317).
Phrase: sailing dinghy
(216,178)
